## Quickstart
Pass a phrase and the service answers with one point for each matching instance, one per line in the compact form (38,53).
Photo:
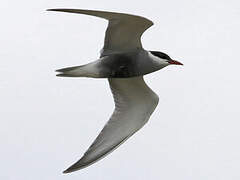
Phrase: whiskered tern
(124,62)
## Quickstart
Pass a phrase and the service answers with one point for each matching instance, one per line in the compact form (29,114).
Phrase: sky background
(48,122)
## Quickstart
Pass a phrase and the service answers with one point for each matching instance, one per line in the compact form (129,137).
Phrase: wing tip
(75,167)
(67,171)
(70,169)
(59,9)
(51,9)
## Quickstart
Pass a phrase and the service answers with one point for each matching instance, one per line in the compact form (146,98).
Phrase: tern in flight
(124,62)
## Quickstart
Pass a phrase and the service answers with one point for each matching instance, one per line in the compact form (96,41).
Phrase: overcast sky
(48,122)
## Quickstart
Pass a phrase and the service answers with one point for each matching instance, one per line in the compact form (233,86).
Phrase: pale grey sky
(47,123)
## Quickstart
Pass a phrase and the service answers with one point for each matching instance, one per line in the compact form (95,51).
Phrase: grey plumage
(124,62)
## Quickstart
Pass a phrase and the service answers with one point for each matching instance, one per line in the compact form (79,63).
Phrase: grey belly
(123,65)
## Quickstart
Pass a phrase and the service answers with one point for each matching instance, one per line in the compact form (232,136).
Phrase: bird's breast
(127,65)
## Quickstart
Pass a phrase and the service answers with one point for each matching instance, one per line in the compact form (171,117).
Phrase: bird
(124,62)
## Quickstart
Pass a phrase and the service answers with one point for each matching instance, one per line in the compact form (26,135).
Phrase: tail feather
(66,75)
(68,69)
(69,72)
(92,69)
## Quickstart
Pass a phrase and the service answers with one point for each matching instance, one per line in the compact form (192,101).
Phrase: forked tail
(92,69)
(76,71)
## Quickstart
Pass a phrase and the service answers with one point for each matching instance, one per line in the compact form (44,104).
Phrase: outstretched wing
(123,33)
(134,103)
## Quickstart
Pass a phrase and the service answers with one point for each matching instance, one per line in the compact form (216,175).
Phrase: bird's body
(124,62)
(119,65)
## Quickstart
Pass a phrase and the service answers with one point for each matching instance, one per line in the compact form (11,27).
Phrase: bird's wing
(123,32)
(134,103)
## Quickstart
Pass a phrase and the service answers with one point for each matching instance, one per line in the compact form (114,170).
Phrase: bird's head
(164,58)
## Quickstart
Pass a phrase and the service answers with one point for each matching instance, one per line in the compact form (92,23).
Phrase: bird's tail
(89,70)
(70,71)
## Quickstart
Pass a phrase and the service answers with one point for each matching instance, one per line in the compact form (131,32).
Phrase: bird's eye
(165,57)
